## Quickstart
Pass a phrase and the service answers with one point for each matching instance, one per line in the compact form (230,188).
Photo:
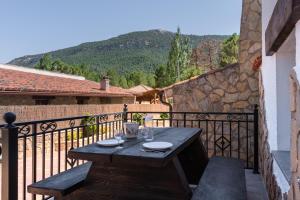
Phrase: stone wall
(222,90)
(294,192)
(233,88)
(250,52)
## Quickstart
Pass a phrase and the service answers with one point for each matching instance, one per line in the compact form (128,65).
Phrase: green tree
(123,82)
(190,72)
(151,80)
(161,77)
(45,62)
(137,78)
(230,51)
(114,77)
(179,57)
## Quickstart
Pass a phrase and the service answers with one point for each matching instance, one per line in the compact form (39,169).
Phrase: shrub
(90,127)
(138,117)
(164,116)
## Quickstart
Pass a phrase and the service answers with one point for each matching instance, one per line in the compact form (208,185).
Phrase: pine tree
(179,57)
(230,50)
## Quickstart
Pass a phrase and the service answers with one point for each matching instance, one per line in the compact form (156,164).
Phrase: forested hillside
(143,50)
(155,58)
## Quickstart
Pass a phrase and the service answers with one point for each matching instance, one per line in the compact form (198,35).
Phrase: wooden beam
(285,15)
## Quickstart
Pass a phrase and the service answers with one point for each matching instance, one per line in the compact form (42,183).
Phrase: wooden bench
(61,184)
(223,179)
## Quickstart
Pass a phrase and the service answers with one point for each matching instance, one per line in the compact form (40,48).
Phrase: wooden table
(131,173)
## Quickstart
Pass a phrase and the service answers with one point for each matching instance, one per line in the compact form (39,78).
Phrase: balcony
(36,150)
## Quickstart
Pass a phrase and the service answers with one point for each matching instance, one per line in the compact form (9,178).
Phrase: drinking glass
(147,134)
(119,136)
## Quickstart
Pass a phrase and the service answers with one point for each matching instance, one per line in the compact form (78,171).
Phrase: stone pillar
(250,46)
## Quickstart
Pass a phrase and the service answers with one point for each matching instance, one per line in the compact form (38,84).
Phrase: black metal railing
(223,134)
(35,150)
(42,146)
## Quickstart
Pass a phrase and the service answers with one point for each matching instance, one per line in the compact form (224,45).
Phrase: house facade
(279,97)
(23,86)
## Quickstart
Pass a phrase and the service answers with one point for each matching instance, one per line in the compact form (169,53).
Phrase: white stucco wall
(269,77)
(275,79)
(285,61)
(297,35)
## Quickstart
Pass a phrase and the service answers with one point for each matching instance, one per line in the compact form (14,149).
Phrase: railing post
(184,119)
(255,167)
(97,127)
(171,118)
(9,158)
(125,110)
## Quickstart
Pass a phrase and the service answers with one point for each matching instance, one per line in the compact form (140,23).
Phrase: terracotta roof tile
(20,82)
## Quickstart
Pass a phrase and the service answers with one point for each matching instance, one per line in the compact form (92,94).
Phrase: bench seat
(223,179)
(61,184)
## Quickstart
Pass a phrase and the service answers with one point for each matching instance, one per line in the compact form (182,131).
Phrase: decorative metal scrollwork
(103,118)
(48,126)
(71,162)
(204,116)
(24,130)
(91,120)
(118,116)
(72,123)
(222,143)
(232,117)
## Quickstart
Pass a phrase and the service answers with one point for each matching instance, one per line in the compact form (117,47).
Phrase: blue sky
(37,26)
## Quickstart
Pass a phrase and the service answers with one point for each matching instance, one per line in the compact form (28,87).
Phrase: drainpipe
(161,98)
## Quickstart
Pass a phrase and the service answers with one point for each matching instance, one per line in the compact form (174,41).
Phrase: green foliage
(179,57)
(113,77)
(164,116)
(161,78)
(151,80)
(123,82)
(230,50)
(47,63)
(177,68)
(155,58)
(75,136)
(190,72)
(138,118)
(143,50)
(89,124)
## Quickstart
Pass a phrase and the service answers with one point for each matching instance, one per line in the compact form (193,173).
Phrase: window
(41,101)
(106,100)
(82,100)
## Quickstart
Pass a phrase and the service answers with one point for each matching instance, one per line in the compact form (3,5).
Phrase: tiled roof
(25,83)
(140,89)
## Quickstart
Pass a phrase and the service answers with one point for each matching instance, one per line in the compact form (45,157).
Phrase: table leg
(194,160)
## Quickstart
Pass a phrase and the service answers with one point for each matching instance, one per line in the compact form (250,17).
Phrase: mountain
(141,50)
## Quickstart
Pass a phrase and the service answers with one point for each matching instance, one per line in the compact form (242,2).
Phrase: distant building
(25,86)
(145,94)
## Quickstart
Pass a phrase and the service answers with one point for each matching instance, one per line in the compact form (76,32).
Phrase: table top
(132,153)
